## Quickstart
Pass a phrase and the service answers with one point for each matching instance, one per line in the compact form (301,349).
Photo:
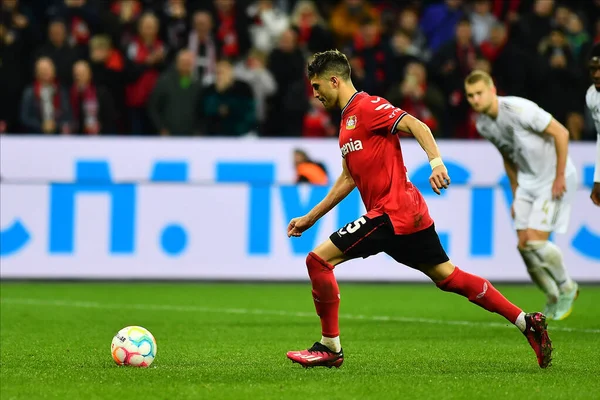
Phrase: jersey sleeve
(534,118)
(594,110)
(597,169)
(379,116)
(589,100)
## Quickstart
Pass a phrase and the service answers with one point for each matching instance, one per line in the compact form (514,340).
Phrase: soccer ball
(134,346)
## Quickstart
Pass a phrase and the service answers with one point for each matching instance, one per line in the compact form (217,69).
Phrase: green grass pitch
(228,341)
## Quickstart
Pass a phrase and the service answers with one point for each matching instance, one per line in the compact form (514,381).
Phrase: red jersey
(371,148)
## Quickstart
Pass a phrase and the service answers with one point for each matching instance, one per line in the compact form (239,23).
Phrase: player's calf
(536,268)
(326,294)
(481,292)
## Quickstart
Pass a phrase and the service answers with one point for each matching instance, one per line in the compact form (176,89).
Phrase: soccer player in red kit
(397,221)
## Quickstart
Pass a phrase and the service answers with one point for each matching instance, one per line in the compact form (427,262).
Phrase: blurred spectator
(175,105)
(92,106)
(483,64)
(402,52)
(482,20)
(534,26)
(561,16)
(510,77)
(255,73)
(347,18)
(309,171)
(61,53)
(147,54)
(108,69)
(507,11)
(203,46)
(269,23)
(290,103)
(580,43)
(120,21)
(516,39)
(313,34)
(45,104)
(579,39)
(451,64)
(81,20)
(15,42)
(368,58)
(408,22)
(439,21)
(231,27)
(559,96)
(228,104)
(175,24)
(419,98)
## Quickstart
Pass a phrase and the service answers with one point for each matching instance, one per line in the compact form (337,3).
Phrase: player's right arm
(383,118)
(439,174)
(511,172)
(338,192)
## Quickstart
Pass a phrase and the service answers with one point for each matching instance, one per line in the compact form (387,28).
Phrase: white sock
(520,322)
(554,264)
(536,267)
(333,343)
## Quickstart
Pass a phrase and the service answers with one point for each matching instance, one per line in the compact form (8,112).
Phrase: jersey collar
(350,101)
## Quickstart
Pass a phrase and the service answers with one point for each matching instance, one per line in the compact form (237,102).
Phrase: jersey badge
(351,122)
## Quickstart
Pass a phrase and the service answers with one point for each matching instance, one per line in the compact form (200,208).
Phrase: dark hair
(464,20)
(595,51)
(329,63)
(302,153)
(225,59)
(57,20)
(402,31)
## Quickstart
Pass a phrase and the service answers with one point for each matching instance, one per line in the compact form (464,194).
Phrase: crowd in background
(237,67)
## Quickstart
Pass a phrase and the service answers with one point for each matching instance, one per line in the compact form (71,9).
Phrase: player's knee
(328,253)
(438,273)
(315,261)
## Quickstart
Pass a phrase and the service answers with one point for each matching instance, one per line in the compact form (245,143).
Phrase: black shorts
(369,236)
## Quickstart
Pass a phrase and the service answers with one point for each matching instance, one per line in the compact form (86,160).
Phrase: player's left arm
(561,143)
(595,195)
(439,178)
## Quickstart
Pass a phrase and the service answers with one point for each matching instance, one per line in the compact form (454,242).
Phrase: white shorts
(536,209)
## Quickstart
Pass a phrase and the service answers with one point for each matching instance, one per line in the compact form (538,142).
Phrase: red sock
(481,292)
(326,294)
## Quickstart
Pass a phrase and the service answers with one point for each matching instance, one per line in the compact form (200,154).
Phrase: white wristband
(436,162)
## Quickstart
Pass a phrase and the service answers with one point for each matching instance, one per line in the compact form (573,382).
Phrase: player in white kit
(534,147)
(592,99)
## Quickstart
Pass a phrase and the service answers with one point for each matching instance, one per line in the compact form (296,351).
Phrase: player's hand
(559,187)
(299,225)
(595,196)
(439,179)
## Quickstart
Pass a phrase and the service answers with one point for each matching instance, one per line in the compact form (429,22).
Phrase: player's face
(594,66)
(480,96)
(325,91)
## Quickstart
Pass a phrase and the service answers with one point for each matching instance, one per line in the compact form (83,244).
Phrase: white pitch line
(252,311)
